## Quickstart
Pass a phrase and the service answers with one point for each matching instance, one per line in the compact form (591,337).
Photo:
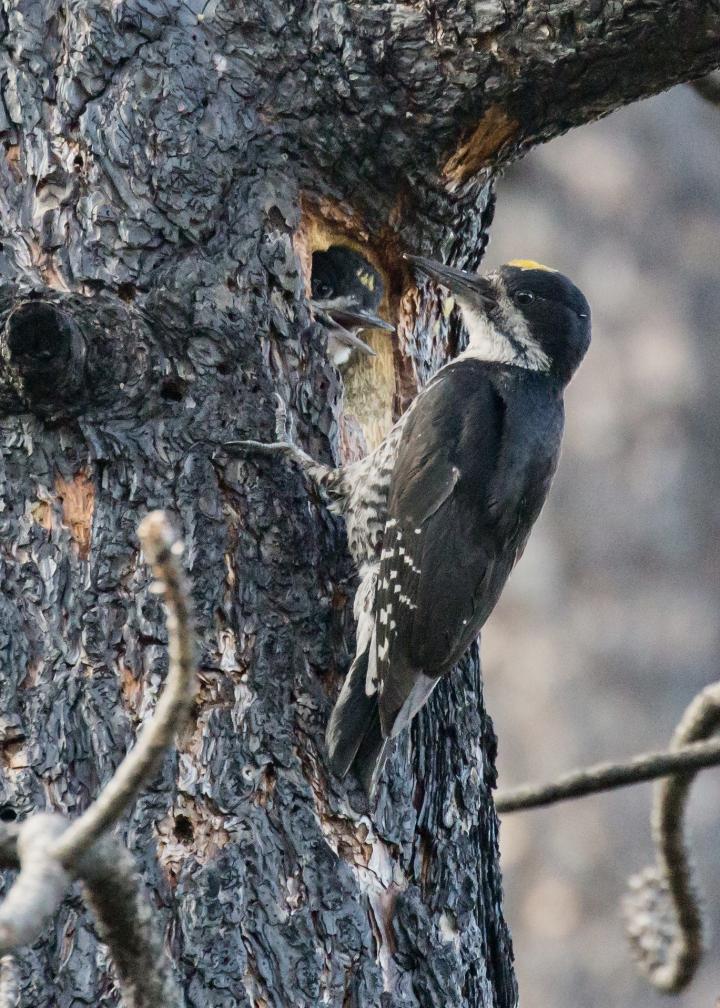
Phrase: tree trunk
(168,170)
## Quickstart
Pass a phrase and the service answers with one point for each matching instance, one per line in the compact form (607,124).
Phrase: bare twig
(607,776)
(125,921)
(50,853)
(163,551)
(40,887)
(662,909)
(9,983)
(114,892)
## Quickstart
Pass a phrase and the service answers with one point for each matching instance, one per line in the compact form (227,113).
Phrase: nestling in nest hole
(342,264)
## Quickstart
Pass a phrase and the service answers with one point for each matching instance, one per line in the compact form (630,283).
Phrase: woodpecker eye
(322,290)
(524,297)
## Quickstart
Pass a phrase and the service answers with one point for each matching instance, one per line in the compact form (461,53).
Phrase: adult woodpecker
(346,293)
(440,512)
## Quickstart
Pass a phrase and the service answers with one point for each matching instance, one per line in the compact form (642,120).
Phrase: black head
(339,272)
(555,310)
(524,314)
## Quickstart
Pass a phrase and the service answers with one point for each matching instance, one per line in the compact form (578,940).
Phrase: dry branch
(9,983)
(608,776)
(50,853)
(125,921)
(662,908)
(163,551)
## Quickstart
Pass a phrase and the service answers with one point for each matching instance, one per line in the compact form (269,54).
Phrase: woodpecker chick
(346,293)
(439,513)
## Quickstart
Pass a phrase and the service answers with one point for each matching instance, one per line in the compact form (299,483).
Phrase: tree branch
(497,84)
(41,886)
(116,894)
(163,552)
(607,776)
(51,853)
(662,909)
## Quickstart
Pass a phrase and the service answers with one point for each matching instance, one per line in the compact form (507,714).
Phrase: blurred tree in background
(609,625)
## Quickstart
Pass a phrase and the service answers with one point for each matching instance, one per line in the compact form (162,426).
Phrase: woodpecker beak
(465,285)
(355,318)
(343,318)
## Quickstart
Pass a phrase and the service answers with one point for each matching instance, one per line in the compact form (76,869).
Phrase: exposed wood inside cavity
(370,383)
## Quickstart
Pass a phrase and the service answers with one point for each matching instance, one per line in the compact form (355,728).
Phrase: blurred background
(609,625)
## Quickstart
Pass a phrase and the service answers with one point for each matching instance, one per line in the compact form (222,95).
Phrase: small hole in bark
(183,829)
(226,368)
(127,292)
(173,389)
(7,813)
(231,283)
(78,161)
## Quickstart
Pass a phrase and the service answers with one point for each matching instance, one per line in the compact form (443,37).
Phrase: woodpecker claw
(261,447)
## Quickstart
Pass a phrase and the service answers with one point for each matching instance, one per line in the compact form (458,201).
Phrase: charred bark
(168,168)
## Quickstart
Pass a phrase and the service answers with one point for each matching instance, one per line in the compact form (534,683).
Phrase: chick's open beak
(343,319)
(457,282)
(358,318)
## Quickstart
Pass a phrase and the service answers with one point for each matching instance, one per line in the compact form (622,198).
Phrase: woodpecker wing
(473,467)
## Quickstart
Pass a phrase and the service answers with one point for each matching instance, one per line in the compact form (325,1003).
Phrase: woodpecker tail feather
(354,736)
(351,717)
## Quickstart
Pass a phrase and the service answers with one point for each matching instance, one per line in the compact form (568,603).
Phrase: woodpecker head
(346,293)
(523,314)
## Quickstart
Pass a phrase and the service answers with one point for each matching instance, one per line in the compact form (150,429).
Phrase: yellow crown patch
(530,264)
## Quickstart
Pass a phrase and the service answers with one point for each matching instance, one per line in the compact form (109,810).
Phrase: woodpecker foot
(268,448)
(281,424)
(261,447)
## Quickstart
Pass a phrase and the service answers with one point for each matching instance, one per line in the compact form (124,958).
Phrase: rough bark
(168,168)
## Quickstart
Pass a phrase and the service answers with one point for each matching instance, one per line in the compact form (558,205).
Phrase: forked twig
(51,853)
(662,908)
(163,552)
(608,776)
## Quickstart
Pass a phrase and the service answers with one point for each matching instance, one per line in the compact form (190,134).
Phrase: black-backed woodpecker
(438,515)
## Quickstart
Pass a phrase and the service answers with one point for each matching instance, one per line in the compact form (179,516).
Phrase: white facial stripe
(488,343)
